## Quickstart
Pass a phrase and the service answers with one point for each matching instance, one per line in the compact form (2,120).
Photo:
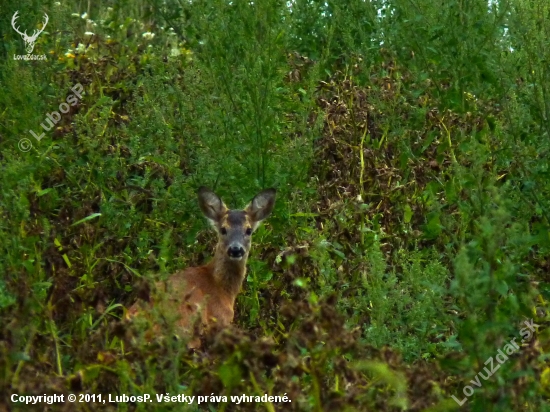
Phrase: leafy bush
(410,239)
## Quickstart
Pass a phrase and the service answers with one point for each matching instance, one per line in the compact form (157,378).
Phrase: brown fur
(211,290)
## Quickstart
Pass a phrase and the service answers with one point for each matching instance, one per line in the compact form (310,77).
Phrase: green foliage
(408,310)
(409,145)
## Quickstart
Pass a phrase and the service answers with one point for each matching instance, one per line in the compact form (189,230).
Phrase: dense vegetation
(410,144)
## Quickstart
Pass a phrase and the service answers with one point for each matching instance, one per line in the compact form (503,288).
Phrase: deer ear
(211,204)
(261,206)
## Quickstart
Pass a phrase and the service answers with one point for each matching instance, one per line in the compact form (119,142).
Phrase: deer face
(235,227)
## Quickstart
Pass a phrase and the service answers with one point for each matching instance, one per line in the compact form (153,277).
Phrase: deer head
(235,227)
(29,40)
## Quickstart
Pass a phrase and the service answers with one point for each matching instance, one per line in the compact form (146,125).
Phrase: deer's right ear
(211,204)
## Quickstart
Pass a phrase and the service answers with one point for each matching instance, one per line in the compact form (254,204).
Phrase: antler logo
(29,40)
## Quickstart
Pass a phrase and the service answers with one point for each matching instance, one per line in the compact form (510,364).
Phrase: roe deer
(211,290)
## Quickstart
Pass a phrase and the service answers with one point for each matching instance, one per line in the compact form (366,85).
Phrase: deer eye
(248,232)
(223,231)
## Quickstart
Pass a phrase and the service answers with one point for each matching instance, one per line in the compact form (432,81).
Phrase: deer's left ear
(261,206)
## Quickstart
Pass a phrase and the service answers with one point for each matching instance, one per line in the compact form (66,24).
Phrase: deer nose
(235,252)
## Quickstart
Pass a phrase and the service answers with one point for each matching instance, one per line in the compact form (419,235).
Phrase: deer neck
(228,274)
